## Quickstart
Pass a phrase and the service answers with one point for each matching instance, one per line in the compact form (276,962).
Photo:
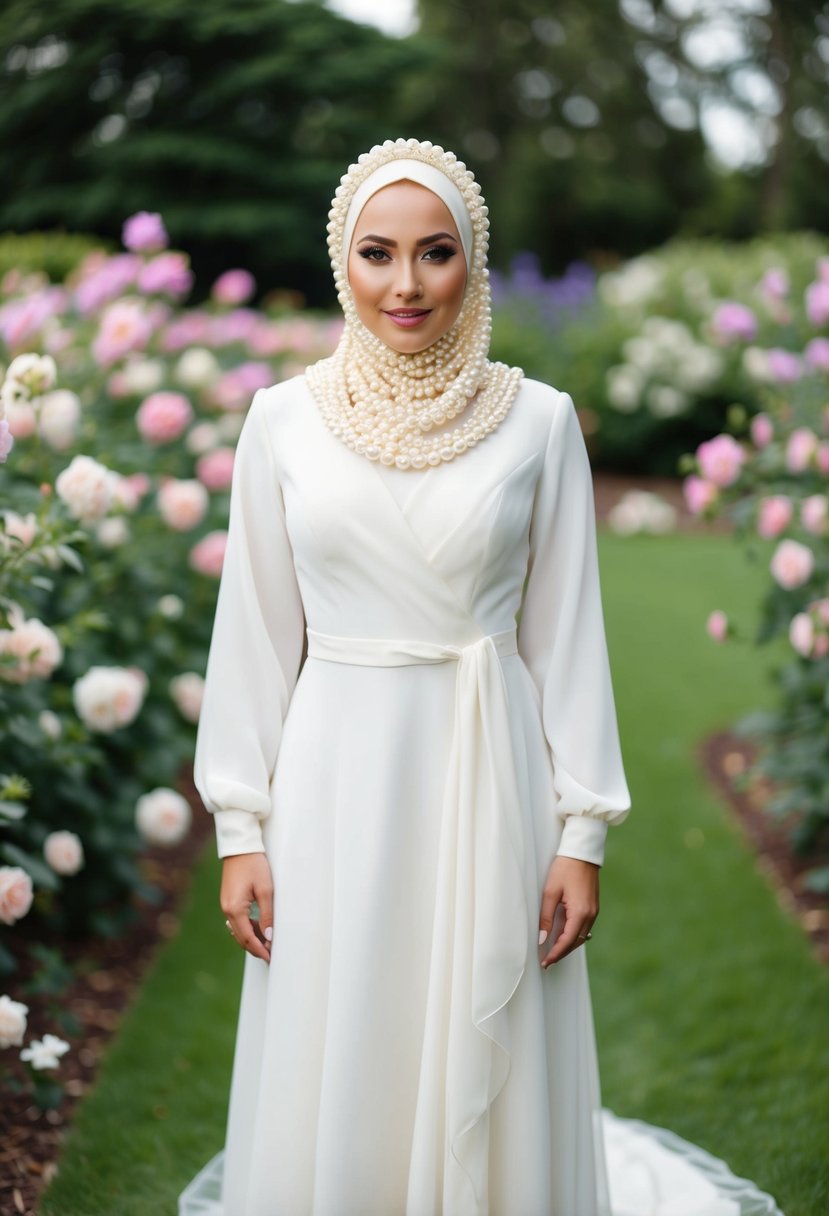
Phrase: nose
(408,285)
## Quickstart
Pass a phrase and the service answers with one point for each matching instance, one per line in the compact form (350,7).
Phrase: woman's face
(406,267)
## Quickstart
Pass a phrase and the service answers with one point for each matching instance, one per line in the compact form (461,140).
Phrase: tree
(235,121)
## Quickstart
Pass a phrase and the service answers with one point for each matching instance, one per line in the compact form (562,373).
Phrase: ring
(583,937)
(230,927)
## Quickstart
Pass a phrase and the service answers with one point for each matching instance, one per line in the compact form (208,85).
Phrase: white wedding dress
(404,1054)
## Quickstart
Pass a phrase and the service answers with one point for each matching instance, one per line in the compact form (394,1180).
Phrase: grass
(710,1010)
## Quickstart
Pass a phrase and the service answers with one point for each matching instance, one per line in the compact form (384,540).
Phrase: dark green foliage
(235,121)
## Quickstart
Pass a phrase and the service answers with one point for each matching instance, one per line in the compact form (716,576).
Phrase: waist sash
(481,928)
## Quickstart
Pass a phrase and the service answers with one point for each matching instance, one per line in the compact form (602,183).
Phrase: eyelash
(445,251)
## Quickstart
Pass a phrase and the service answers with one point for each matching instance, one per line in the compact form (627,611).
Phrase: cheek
(361,282)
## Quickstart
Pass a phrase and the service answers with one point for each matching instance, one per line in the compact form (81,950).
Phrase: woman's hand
(572,889)
(247,877)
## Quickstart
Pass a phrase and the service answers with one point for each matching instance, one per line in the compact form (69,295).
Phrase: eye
(369,253)
(442,253)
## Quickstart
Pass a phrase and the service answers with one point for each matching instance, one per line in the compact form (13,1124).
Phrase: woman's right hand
(247,877)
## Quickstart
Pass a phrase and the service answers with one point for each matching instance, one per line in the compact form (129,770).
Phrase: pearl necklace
(382,403)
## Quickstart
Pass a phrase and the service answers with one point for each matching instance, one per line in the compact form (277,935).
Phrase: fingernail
(269,933)
(542,937)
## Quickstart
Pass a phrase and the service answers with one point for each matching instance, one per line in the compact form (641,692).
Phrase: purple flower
(784,367)
(817,302)
(233,287)
(734,322)
(816,354)
(144,232)
(775,283)
(167,274)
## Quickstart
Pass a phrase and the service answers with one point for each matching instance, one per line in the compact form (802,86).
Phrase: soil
(108,972)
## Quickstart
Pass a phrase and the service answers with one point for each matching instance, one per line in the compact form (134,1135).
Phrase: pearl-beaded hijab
(382,403)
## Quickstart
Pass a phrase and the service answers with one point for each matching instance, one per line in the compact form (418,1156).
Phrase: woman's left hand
(574,886)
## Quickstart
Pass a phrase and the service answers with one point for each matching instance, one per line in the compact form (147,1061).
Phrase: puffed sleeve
(255,649)
(561,638)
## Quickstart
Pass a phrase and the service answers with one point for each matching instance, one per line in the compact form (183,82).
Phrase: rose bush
(120,411)
(772,479)
(654,351)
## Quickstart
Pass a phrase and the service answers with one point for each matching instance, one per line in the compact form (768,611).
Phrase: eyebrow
(426,240)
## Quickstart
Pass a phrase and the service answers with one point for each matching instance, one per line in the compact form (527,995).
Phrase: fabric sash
(481,928)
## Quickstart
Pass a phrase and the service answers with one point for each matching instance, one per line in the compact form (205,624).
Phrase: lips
(408,317)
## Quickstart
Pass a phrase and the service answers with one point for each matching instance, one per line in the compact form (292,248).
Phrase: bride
(408,742)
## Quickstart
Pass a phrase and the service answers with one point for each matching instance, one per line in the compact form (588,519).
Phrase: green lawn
(711,1013)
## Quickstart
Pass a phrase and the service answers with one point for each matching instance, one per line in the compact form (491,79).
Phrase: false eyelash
(447,251)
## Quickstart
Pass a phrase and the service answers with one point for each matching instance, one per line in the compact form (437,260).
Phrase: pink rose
(207,556)
(183,503)
(63,852)
(163,816)
(721,459)
(16,894)
(817,302)
(784,367)
(801,449)
(717,626)
(163,416)
(775,515)
(775,283)
(802,634)
(762,430)
(144,232)
(792,564)
(813,513)
(822,457)
(816,354)
(732,321)
(215,469)
(124,327)
(168,274)
(233,287)
(699,494)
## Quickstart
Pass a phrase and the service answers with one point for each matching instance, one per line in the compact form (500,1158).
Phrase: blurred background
(596,131)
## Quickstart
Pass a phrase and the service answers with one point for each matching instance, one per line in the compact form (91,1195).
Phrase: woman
(418,801)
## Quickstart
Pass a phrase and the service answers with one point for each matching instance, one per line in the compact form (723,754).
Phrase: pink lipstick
(407,318)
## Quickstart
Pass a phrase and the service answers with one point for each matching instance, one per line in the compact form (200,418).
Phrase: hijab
(383,403)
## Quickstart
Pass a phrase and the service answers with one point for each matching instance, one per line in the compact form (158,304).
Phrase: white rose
(45,1052)
(63,852)
(202,437)
(107,698)
(23,527)
(36,373)
(187,690)
(183,503)
(665,401)
(624,387)
(143,376)
(197,368)
(171,606)
(50,724)
(59,417)
(36,649)
(113,531)
(21,418)
(163,816)
(86,487)
(12,1021)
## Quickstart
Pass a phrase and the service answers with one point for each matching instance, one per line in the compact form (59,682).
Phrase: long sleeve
(255,649)
(561,638)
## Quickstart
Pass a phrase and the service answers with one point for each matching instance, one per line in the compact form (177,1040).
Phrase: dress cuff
(238,832)
(583,837)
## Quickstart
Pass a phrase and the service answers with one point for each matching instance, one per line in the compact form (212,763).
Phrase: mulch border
(111,971)
(724,756)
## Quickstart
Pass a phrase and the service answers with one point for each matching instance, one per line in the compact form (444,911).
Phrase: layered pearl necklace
(383,403)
